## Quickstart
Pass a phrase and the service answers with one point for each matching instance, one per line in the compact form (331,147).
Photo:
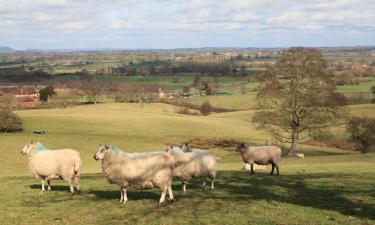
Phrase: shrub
(244,89)
(372,89)
(9,122)
(362,132)
(46,92)
(185,89)
(175,79)
(187,111)
(206,108)
(373,93)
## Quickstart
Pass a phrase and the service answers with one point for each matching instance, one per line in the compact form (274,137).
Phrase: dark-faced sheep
(261,155)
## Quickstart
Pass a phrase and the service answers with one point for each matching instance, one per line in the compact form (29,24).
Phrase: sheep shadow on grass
(63,188)
(133,194)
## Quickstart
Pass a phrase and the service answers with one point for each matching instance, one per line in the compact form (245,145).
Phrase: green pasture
(363,87)
(329,186)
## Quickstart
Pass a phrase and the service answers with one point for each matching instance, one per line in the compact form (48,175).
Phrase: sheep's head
(100,153)
(174,149)
(27,148)
(241,147)
(185,147)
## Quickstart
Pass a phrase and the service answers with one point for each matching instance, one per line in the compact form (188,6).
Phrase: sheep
(193,163)
(261,155)
(300,155)
(137,170)
(47,165)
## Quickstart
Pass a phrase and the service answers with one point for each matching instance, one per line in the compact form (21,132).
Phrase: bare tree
(92,87)
(299,95)
(362,132)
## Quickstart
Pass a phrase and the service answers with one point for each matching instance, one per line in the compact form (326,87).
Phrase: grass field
(329,186)
(363,87)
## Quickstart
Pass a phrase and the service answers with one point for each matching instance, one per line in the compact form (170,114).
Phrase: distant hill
(5,49)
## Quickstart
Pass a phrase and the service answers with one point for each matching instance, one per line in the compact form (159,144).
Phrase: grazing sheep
(261,155)
(193,163)
(137,170)
(300,155)
(53,164)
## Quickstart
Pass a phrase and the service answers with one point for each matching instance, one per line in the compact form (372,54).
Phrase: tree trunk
(293,148)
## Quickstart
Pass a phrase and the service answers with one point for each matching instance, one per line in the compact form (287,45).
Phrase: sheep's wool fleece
(139,170)
(261,155)
(55,163)
(197,163)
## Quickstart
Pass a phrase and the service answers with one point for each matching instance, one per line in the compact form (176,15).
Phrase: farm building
(26,96)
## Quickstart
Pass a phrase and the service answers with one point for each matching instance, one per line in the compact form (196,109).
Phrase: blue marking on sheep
(40,148)
(115,149)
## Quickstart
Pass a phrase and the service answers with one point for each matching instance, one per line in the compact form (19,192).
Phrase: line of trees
(21,74)
(209,68)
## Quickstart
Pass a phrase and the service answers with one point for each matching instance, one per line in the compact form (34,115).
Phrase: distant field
(364,86)
(228,83)
(329,186)
(238,102)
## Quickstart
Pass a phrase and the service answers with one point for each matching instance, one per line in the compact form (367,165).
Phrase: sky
(166,24)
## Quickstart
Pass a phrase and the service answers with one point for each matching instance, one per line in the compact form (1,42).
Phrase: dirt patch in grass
(212,143)
(332,144)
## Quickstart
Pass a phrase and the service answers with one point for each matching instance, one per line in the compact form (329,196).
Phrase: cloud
(75,25)
(163,22)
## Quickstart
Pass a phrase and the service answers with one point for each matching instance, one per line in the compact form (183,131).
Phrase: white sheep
(193,163)
(47,165)
(261,155)
(300,155)
(137,170)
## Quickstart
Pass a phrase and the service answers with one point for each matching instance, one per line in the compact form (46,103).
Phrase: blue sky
(61,24)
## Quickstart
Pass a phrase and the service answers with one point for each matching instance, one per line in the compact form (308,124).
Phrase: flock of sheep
(141,170)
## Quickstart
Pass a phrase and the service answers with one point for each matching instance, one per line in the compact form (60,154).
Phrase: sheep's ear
(106,147)
(100,145)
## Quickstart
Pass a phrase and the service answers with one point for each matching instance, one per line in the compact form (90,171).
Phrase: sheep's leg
(125,195)
(277,169)
(204,182)
(162,197)
(170,192)
(212,183)
(71,186)
(184,186)
(251,168)
(122,195)
(76,182)
(43,189)
(49,185)
(273,167)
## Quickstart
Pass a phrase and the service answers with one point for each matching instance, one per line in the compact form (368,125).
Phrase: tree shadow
(239,186)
